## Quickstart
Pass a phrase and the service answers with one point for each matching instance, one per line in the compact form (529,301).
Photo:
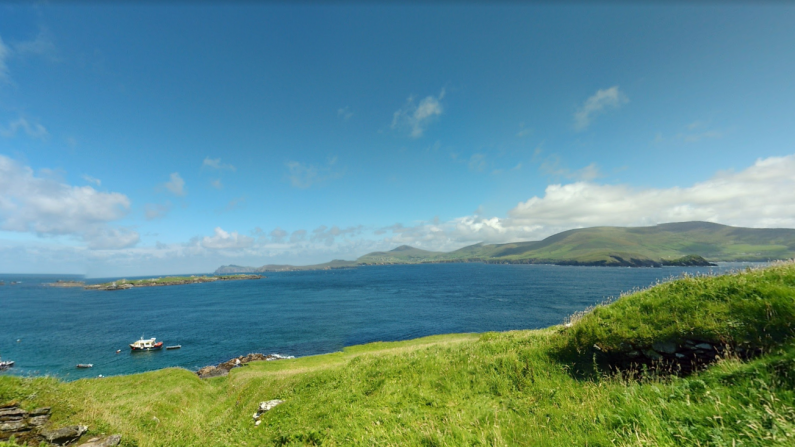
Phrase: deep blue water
(50,330)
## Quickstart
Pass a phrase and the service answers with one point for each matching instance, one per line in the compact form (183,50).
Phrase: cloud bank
(48,207)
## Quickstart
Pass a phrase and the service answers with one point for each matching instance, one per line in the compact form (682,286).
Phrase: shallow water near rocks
(48,330)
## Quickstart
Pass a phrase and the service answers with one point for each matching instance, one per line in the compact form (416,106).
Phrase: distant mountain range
(684,243)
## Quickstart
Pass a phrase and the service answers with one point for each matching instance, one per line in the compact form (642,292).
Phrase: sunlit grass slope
(507,388)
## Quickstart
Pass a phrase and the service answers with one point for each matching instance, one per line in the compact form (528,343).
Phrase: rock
(108,441)
(268,405)
(664,347)
(224,368)
(211,371)
(40,411)
(633,354)
(652,354)
(680,356)
(38,421)
(14,426)
(12,414)
(704,346)
(258,422)
(64,435)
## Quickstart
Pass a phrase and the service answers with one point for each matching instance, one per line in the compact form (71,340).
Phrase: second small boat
(85,365)
(146,345)
(174,347)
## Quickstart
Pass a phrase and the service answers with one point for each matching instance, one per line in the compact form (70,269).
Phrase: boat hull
(158,346)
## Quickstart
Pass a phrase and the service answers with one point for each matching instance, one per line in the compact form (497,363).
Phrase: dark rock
(652,354)
(64,435)
(705,346)
(664,347)
(108,441)
(224,368)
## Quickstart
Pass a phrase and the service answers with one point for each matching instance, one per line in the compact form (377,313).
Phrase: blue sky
(155,139)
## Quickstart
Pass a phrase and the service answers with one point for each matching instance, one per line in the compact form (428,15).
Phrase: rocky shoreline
(223,369)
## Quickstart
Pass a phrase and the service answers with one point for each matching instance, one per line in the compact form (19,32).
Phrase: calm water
(50,330)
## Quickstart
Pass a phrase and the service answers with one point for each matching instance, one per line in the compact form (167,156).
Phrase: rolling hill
(664,244)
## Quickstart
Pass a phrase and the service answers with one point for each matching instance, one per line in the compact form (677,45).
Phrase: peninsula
(671,244)
(123,284)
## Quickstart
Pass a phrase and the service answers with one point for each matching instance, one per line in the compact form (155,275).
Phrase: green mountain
(638,246)
(401,255)
(683,243)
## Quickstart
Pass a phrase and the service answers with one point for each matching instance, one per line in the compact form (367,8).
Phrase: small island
(123,284)
(65,283)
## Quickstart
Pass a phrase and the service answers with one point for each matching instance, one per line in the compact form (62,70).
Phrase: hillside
(561,386)
(665,244)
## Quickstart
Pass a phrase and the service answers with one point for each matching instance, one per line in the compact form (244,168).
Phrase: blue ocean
(48,331)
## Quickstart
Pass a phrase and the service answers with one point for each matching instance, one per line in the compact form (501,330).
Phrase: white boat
(5,364)
(146,345)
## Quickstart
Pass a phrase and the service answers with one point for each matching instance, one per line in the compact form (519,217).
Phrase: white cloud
(176,185)
(33,130)
(234,204)
(477,162)
(278,235)
(45,206)
(42,45)
(222,240)
(345,113)
(416,117)
(215,163)
(328,235)
(552,166)
(106,238)
(303,176)
(762,195)
(602,100)
(153,211)
(93,180)
(217,184)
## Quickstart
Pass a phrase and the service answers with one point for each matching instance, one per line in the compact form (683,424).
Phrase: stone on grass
(64,435)
(108,441)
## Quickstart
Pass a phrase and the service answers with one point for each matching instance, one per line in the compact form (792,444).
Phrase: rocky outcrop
(688,261)
(224,368)
(107,441)
(31,428)
(265,406)
(679,358)
(64,435)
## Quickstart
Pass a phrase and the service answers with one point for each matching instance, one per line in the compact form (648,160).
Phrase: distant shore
(124,284)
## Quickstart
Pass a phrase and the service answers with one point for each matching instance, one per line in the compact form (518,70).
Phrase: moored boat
(146,345)
(5,364)
(174,347)
(85,365)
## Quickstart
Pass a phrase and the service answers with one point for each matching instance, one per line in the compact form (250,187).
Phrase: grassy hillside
(535,388)
(402,254)
(621,245)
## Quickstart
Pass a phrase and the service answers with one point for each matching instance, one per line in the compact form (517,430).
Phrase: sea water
(49,330)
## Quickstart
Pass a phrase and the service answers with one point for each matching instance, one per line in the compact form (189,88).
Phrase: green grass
(506,388)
